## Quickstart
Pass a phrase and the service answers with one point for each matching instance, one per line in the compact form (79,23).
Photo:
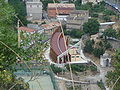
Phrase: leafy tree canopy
(110,33)
(91,27)
(113,75)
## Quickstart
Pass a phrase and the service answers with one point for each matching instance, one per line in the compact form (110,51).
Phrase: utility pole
(18,34)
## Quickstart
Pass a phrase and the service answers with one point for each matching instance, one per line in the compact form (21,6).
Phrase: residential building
(105,60)
(75,56)
(50,27)
(59,9)
(34,9)
(39,29)
(76,19)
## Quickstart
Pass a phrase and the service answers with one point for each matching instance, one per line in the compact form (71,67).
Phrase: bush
(89,46)
(98,51)
(93,68)
(77,67)
(101,85)
(56,69)
(91,27)
(76,33)
(108,12)
(95,15)
(106,18)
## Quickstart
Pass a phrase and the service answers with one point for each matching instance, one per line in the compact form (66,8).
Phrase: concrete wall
(34,10)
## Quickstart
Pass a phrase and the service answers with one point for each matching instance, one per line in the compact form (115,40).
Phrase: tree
(108,12)
(8,36)
(112,76)
(76,33)
(20,10)
(110,33)
(45,3)
(91,27)
(56,69)
(89,46)
(98,51)
(106,18)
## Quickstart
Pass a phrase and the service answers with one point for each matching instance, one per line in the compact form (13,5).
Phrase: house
(34,10)
(75,56)
(76,19)
(50,27)
(105,60)
(39,29)
(58,45)
(59,10)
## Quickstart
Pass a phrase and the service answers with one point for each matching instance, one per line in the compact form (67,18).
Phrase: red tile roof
(26,29)
(51,25)
(57,43)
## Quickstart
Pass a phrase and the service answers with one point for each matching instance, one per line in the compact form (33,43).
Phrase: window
(73,56)
(30,14)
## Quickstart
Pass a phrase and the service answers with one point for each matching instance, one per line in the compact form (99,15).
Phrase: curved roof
(57,43)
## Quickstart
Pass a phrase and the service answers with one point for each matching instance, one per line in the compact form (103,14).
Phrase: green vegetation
(56,69)
(20,10)
(113,75)
(89,46)
(45,3)
(101,85)
(97,8)
(91,27)
(108,12)
(98,51)
(98,48)
(74,33)
(81,67)
(8,36)
(110,33)
(106,18)
(93,68)
(77,87)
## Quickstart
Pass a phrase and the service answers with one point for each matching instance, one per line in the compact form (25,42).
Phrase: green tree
(108,12)
(98,51)
(56,69)
(112,76)
(20,10)
(110,33)
(8,36)
(106,18)
(45,3)
(91,27)
(89,46)
(76,33)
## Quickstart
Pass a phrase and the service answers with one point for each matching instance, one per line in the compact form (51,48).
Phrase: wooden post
(18,34)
